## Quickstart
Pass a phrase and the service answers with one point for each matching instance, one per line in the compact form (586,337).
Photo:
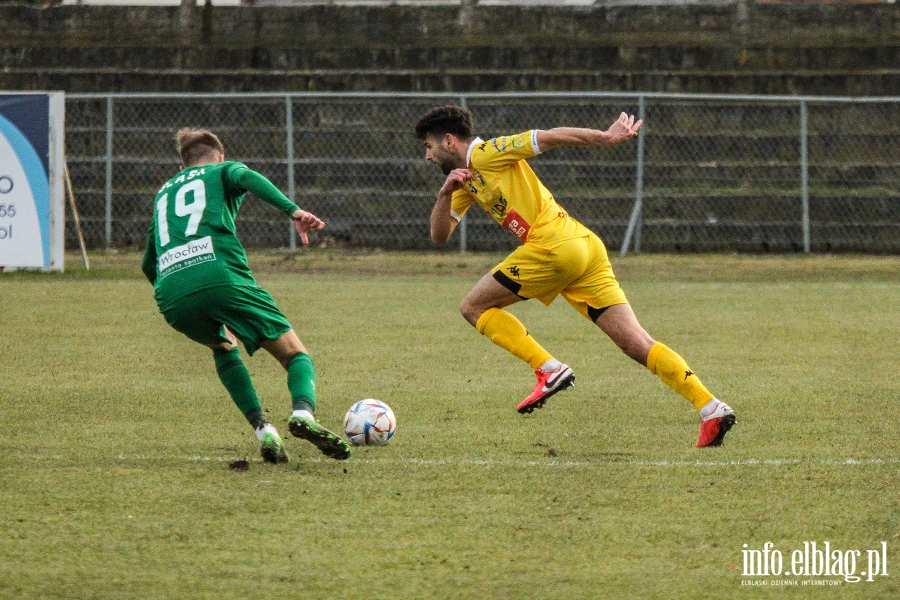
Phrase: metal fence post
(634,223)
(804,174)
(289,139)
(107,223)
(463,228)
(639,183)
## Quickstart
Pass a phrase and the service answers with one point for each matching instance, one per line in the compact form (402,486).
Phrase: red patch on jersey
(516,224)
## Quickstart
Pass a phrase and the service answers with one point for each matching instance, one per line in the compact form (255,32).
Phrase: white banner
(32,199)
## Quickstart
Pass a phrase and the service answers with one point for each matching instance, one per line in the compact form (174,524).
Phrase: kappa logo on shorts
(514,271)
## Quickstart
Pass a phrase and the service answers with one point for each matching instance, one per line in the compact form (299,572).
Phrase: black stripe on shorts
(513,286)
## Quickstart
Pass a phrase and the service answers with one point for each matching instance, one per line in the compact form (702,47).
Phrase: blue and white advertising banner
(32,197)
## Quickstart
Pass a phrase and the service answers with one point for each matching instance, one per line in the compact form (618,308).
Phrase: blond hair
(196,146)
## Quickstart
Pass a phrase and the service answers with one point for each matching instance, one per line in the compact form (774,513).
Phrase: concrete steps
(724,47)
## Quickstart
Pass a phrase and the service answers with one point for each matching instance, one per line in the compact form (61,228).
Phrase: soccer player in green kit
(205,289)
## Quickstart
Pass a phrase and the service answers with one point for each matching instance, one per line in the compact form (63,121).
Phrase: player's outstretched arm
(442,222)
(623,129)
(265,190)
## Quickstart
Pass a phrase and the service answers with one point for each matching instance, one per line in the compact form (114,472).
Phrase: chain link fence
(707,173)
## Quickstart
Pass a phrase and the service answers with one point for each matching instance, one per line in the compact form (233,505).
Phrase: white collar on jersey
(477,140)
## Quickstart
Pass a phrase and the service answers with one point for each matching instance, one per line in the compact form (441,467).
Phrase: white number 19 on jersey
(194,210)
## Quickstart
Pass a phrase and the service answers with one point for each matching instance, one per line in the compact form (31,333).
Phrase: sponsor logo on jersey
(516,224)
(498,208)
(501,144)
(187,255)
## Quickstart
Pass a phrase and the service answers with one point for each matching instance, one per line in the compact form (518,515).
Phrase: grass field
(116,438)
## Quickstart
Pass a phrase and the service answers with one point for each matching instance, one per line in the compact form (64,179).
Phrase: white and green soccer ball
(370,422)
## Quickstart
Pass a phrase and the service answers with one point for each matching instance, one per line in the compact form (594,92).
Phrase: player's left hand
(304,222)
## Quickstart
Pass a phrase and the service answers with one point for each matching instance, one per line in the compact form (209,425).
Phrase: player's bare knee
(286,359)
(632,352)
(635,344)
(470,313)
(637,348)
(222,347)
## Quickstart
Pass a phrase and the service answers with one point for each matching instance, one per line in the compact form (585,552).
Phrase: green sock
(236,379)
(302,382)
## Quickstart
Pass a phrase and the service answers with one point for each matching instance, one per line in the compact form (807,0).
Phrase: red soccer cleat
(547,385)
(714,427)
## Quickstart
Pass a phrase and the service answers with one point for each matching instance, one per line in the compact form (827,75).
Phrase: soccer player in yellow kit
(558,255)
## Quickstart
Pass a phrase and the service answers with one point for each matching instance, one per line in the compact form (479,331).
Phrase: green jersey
(192,244)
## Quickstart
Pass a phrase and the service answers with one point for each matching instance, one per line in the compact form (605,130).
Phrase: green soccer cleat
(272,449)
(327,442)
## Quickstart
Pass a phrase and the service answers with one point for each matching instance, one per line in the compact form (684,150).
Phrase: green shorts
(249,313)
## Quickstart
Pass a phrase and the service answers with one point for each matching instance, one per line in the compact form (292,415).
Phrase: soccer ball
(370,422)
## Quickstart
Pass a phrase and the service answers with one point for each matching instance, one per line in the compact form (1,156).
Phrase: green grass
(116,437)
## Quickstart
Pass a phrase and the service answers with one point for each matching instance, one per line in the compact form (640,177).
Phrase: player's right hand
(456,180)
(304,222)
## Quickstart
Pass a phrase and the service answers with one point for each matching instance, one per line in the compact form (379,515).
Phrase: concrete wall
(728,47)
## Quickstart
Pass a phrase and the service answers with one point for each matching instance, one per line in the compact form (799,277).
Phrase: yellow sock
(507,331)
(675,373)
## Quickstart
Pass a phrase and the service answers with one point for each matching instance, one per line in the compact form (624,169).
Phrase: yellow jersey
(507,188)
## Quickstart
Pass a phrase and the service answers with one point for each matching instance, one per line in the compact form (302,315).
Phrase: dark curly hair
(440,121)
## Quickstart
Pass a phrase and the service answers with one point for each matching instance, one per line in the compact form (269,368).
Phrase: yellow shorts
(578,269)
